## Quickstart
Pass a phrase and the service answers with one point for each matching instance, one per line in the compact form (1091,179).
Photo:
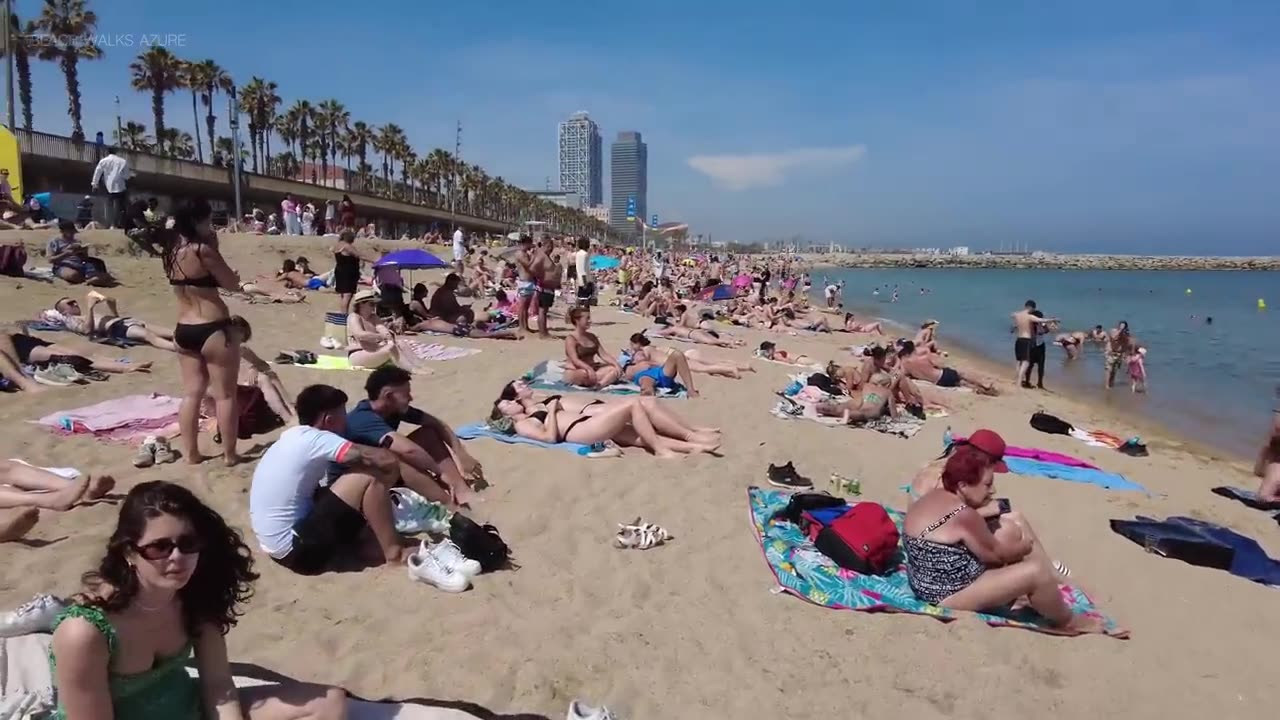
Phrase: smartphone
(1004,505)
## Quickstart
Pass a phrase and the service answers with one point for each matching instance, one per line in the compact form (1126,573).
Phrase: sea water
(1211,380)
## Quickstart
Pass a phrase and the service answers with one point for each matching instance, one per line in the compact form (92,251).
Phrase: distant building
(581,158)
(570,200)
(959,250)
(599,212)
(629,175)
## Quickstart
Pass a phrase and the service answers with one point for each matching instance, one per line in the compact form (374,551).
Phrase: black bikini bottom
(193,337)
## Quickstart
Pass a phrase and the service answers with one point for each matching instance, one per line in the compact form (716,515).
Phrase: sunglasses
(163,548)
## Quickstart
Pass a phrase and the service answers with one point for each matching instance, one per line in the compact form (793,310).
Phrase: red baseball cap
(989,442)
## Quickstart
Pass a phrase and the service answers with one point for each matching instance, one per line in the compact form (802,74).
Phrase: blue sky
(1124,127)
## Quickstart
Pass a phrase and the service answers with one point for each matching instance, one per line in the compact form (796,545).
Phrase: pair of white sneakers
(36,615)
(444,566)
(579,710)
(329,343)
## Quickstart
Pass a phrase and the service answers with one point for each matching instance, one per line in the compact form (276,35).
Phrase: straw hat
(364,296)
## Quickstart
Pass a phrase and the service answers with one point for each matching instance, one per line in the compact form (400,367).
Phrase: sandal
(640,536)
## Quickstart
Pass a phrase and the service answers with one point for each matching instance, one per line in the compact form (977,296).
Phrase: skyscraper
(582,158)
(629,175)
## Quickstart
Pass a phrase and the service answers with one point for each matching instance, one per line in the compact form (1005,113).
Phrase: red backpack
(863,539)
(13,260)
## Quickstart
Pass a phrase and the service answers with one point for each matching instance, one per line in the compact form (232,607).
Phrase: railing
(62,148)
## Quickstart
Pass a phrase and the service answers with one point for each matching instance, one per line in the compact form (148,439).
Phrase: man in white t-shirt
(459,249)
(302,525)
(659,267)
(582,269)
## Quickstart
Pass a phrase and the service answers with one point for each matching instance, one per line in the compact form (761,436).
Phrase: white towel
(66,473)
(26,683)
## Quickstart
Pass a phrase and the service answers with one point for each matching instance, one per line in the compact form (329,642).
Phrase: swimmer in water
(1072,342)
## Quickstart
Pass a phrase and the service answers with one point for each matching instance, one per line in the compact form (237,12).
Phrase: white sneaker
(579,710)
(451,557)
(37,615)
(328,343)
(425,568)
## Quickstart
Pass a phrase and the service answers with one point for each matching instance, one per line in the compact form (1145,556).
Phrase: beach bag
(481,543)
(1052,424)
(802,503)
(823,382)
(13,260)
(256,416)
(863,539)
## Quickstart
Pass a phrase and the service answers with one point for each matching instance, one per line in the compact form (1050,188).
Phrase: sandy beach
(691,629)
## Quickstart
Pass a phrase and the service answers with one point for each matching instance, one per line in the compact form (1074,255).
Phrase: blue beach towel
(480,430)
(1201,543)
(549,375)
(1057,471)
(806,573)
(1248,497)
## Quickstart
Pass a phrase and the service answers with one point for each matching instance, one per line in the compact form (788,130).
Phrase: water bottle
(947,438)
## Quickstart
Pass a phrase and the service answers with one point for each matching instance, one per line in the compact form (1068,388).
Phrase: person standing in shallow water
(1025,326)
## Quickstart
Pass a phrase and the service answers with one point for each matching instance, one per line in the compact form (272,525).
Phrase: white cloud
(742,172)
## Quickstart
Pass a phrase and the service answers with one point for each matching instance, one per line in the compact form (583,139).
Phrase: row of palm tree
(377,160)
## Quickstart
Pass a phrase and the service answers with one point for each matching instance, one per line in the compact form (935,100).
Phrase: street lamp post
(8,60)
(234,115)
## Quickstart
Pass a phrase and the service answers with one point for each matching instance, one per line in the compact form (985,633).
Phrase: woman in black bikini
(346,280)
(587,363)
(208,356)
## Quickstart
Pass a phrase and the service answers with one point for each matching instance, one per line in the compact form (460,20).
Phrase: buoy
(1188,291)
(1262,304)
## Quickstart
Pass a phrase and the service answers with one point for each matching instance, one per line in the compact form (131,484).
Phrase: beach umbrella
(411,259)
(717,292)
(604,262)
(742,281)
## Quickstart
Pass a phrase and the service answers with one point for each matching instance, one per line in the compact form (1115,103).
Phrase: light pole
(119,127)
(453,186)
(234,115)
(8,59)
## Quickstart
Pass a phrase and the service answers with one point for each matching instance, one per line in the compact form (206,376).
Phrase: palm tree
(359,137)
(159,72)
(286,165)
(287,129)
(192,79)
(176,143)
(64,25)
(331,117)
(207,79)
(269,109)
(23,46)
(133,136)
(302,116)
(259,101)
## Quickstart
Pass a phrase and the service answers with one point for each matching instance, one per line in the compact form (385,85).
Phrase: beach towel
(1248,497)
(806,573)
(432,351)
(1202,543)
(802,404)
(332,362)
(481,430)
(66,473)
(1038,454)
(549,375)
(1090,476)
(126,419)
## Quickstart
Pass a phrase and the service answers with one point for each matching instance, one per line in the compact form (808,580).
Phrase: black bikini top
(540,415)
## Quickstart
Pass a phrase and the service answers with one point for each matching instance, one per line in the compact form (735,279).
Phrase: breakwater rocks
(1047,260)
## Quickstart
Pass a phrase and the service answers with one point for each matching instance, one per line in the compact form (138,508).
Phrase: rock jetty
(1047,260)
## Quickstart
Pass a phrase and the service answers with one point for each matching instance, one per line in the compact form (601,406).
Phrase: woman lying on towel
(699,361)
(872,397)
(587,363)
(652,372)
(626,421)
(424,321)
(851,325)
(172,584)
(770,351)
(954,560)
(24,486)
(694,335)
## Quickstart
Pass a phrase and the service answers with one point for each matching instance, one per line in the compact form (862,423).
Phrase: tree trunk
(23,63)
(69,68)
(210,122)
(195,117)
(157,109)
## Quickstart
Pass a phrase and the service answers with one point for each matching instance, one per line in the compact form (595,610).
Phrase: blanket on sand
(803,571)
(549,375)
(433,351)
(127,419)
(1249,498)
(481,430)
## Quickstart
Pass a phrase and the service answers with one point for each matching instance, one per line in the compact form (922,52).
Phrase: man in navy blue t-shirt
(432,451)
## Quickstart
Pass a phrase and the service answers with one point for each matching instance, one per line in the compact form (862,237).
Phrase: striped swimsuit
(937,571)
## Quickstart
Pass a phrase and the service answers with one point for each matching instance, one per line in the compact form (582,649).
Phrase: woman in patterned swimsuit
(954,561)
(171,584)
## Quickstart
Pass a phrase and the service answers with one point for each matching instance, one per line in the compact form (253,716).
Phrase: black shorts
(330,526)
(586,291)
(948,378)
(119,330)
(24,344)
(1022,349)
(1037,353)
(546,298)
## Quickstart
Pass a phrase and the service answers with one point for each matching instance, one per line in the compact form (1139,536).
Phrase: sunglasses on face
(163,548)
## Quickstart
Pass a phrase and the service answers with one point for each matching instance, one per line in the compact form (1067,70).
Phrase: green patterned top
(165,692)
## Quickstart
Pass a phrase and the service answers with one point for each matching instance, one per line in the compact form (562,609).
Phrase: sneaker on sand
(425,568)
(785,476)
(146,455)
(579,710)
(451,557)
(328,343)
(36,615)
(67,374)
(47,376)
(164,453)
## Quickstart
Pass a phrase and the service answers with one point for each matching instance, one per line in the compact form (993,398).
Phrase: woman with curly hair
(171,584)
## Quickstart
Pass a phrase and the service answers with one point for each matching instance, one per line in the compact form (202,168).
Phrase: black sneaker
(785,476)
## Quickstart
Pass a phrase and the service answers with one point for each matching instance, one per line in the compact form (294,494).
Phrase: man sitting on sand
(304,526)
(432,451)
(97,321)
(72,262)
(924,365)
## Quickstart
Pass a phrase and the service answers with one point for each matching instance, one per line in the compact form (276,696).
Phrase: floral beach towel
(803,571)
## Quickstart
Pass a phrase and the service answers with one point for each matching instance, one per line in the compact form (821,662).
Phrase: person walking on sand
(113,172)
(1024,326)
(459,250)
(289,213)
(546,273)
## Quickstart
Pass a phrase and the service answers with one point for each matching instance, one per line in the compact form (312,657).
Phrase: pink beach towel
(433,351)
(1044,456)
(124,420)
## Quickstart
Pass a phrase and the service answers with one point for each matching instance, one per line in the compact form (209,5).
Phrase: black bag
(803,502)
(823,382)
(1052,424)
(481,543)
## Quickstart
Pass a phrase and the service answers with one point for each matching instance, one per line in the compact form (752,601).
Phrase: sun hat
(990,442)
(364,296)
